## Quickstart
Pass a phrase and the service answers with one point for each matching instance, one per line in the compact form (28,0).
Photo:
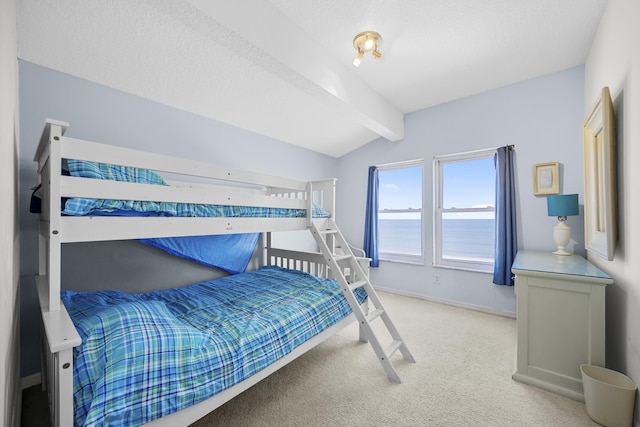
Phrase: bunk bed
(66,188)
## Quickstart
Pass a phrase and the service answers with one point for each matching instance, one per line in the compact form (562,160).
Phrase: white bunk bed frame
(59,335)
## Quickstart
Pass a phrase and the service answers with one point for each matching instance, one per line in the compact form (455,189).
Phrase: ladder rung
(328,231)
(393,347)
(341,257)
(374,315)
(358,284)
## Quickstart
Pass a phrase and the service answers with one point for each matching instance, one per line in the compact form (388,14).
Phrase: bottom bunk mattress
(144,356)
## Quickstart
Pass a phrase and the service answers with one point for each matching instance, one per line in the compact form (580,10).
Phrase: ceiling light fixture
(367,41)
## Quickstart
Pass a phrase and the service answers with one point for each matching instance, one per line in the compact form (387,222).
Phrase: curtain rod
(509,146)
(486,150)
(402,163)
(409,162)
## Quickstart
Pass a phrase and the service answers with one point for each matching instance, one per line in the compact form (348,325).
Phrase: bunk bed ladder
(329,238)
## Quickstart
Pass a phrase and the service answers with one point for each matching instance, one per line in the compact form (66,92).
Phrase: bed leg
(64,392)
(57,380)
(361,330)
(363,335)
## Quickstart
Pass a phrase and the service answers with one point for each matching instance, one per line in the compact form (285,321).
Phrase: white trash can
(609,396)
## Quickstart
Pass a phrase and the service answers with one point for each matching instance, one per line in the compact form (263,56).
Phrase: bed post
(49,158)
(59,335)
(55,258)
(309,204)
(323,193)
(265,241)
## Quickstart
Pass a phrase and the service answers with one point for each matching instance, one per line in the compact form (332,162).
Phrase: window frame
(438,211)
(397,256)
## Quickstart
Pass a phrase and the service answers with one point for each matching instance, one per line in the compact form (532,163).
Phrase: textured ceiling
(282,68)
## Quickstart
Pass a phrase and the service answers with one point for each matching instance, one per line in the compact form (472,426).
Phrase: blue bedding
(229,252)
(78,206)
(144,356)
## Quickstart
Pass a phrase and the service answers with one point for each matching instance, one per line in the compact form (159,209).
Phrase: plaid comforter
(79,206)
(107,207)
(144,356)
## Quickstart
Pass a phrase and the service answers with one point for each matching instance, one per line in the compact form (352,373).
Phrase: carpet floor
(462,377)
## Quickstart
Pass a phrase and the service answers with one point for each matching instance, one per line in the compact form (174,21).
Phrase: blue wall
(541,117)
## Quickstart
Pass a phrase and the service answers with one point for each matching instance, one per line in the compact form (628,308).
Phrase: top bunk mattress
(144,356)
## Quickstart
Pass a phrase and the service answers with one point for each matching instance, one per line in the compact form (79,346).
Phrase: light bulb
(358,59)
(368,44)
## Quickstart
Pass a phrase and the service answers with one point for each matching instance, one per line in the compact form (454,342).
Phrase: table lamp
(562,206)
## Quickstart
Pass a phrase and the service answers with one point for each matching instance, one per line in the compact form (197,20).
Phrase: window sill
(402,259)
(487,269)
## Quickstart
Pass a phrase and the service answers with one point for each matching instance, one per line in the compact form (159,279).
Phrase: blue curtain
(506,230)
(371,218)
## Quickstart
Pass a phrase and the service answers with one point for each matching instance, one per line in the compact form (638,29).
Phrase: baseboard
(487,310)
(30,381)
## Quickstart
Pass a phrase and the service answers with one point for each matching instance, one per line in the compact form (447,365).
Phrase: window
(464,210)
(400,212)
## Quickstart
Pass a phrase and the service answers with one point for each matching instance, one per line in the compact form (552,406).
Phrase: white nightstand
(560,320)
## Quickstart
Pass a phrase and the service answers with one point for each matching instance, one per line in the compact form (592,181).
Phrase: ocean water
(461,238)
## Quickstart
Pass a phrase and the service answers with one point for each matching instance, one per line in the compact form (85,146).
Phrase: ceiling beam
(267,28)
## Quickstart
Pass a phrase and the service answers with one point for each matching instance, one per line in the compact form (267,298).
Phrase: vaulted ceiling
(283,68)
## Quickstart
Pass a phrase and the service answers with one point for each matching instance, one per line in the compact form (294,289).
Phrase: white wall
(614,61)
(9,261)
(542,117)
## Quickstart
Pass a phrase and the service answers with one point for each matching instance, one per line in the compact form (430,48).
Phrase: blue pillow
(84,169)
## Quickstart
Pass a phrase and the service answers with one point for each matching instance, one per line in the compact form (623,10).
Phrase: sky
(466,184)
(397,188)
(469,184)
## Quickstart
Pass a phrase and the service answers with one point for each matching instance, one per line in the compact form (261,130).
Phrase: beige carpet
(462,378)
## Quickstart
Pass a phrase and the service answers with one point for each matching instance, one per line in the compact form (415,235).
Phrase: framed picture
(546,179)
(600,201)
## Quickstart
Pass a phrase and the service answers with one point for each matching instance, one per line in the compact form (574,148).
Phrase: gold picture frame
(600,200)
(546,179)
